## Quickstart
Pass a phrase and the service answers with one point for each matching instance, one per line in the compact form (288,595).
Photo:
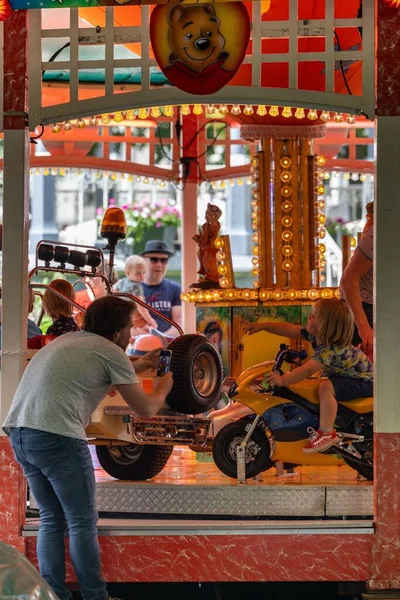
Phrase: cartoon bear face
(194,35)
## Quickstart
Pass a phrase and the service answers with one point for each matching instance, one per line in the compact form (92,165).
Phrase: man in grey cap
(161,293)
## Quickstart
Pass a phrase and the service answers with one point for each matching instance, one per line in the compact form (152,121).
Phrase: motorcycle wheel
(257,451)
(134,462)
(197,368)
(366,448)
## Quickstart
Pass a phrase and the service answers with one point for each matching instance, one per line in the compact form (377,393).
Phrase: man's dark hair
(108,315)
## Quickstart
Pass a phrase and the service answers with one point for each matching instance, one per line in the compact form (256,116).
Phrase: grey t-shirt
(65,382)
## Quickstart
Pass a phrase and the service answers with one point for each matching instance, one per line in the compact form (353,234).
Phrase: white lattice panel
(105,48)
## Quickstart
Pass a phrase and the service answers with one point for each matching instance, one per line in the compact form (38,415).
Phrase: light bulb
(286,191)
(325,116)
(248,109)
(105,119)
(185,110)
(142,113)
(223,109)
(286,176)
(236,110)
(312,115)
(285,162)
(287,112)
(287,221)
(273,111)
(155,112)
(56,128)
(130,115)
(169,111)
(286,206)
(119,117)
(299,113)
(197,109)
(287,250)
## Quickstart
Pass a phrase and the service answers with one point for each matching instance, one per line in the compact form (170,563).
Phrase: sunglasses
(156,259)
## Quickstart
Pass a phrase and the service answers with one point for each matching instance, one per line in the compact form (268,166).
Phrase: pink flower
(125,206)
(158,224)
(99,211)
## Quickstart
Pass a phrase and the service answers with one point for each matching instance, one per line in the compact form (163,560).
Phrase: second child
(135,269)
(58,309)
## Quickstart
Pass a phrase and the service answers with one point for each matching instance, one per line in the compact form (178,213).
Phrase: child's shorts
(348,388)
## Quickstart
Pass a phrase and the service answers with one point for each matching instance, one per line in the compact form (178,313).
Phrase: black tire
(134,462)
(257,453)
(363,426)
(197,369)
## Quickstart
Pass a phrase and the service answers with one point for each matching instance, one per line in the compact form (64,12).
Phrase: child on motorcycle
(349,372)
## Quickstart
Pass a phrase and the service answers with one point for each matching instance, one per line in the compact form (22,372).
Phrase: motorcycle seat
(308,389)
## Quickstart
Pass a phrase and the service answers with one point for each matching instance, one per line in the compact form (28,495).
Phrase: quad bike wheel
(197,369)
(257,451)
(134,462)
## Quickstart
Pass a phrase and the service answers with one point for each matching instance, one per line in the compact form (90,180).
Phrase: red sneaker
(320,441)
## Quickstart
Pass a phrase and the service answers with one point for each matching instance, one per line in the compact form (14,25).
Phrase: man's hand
(274,378)
(147,361)
(165,383)
(367,335)
(251,328)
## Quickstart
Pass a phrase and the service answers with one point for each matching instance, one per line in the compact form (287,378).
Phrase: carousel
(298,80)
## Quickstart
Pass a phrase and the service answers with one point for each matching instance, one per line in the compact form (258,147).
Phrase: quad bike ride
(276,429)
(127,446)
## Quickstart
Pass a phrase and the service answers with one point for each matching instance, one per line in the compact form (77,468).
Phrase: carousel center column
(385,561)
(15,265)
(190,175)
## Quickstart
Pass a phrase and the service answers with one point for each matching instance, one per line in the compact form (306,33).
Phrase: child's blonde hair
(335,322)
(55,306)
(133,261)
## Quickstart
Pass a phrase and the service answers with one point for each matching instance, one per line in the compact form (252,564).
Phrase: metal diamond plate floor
(191,486)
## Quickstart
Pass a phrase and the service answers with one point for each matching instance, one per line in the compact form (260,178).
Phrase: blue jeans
(60,474)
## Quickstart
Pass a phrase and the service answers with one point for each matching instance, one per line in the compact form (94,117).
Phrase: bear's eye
(188,36)
(209,33)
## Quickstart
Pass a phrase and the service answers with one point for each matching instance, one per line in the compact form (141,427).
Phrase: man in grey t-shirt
(60,388)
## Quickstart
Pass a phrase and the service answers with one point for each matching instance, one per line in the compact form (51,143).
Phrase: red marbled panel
(388,52)
(385,559)
(233,558)
(12,497)
(15,69)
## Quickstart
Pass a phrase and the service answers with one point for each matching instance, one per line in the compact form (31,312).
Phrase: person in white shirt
(60,388)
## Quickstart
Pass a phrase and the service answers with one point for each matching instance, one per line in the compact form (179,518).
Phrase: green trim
(98,77)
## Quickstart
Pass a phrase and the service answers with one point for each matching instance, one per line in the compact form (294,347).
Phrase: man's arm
(284,329)
(146,405)
(350,284)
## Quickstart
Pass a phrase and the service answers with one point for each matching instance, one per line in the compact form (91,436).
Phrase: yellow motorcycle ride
(279,425)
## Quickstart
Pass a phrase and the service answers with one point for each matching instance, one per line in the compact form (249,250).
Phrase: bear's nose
(202,43)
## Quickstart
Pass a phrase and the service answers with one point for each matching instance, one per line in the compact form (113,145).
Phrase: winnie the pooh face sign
(194,44)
